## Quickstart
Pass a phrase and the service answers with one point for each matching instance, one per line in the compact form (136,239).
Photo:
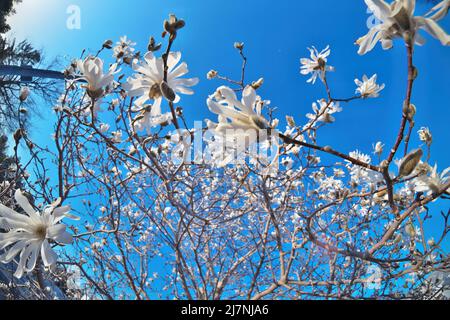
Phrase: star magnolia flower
(398,20)
(425,135)
(378,148)
(368,88)
(91,70)
(316,65)
(31,232)
(124,48)
(234,114)
(434,182)
(147,83)
(324,113)
(360,174)
(150,117)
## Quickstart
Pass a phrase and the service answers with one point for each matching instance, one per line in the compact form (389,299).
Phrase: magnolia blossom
(148,119)
(434,182)
(359,174)
(378,148)
(211,74)
(425,135)
(323,111)
(368,88)
(234,114)
(241,125)
(316,65)
(398,20)
(91,70)
(148,83)
(31,233)
(124,48)
(104,127)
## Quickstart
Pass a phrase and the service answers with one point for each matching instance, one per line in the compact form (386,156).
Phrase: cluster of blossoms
(153,197)
(323,112)
(124,49)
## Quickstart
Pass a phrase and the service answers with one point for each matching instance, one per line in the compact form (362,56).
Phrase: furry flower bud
(108,44)
(410,162)
(167,92)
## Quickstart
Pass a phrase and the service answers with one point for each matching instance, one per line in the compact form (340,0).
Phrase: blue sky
(276,35)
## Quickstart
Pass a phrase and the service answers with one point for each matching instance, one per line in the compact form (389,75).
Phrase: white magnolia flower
(116,136)
(91,70)
(149,118)
(434,182)
(31,233)
(288,162)
(425,135)
(398,20)
(324,112)
(241,126)
(360,174)
(316,65)
(368,88)
(124,48)
(378,148)
(237,115)
(147,83)
(104,127)
(211,74)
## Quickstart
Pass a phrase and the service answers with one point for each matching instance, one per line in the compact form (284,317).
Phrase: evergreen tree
(6,9)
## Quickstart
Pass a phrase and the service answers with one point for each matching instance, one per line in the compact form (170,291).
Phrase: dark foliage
(6,9)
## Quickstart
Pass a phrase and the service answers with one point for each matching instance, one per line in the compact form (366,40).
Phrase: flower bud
(18,135)
(167,91)
(409,111)
(378,148)
(174,24)
(153,46)
(211,74)
(108,44)
(257,84)
(290,121)
(410,230)
(410,162)
(239,45)
(24,93)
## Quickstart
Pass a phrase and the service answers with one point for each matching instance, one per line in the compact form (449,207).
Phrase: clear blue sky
(276,34)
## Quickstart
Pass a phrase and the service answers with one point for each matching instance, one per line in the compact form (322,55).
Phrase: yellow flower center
(41,231)
(155,91)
